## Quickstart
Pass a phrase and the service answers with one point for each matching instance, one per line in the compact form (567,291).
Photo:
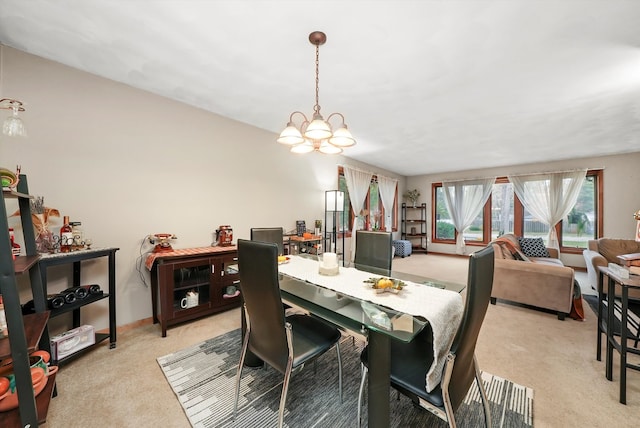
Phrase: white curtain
(549,197)
(358,183)
(387,189)
(465,200)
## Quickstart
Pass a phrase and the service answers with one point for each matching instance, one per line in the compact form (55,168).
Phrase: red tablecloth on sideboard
(186,252)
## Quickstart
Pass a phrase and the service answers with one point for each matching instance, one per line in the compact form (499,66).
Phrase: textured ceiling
(425,86)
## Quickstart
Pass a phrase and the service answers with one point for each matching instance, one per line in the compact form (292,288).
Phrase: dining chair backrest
(269,234)
(478,293)
(258,269)
(373,249)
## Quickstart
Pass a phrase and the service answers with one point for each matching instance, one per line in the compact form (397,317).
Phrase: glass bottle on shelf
(76,229)
(66,236)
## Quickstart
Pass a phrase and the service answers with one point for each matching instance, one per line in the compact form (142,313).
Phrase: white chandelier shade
(13,125)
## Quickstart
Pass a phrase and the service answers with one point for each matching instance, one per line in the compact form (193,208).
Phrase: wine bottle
(55,301)
(69,296)
(80,292)
(66,236)
(92,289)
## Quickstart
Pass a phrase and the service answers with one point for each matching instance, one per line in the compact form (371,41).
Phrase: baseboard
(446,254)
(130,326)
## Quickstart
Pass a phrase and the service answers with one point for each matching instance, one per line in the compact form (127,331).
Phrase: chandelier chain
(316,108)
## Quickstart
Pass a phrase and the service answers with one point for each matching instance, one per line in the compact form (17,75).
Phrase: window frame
(518,215)
(352,215)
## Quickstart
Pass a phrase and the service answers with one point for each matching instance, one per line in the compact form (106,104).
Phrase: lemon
(384,283)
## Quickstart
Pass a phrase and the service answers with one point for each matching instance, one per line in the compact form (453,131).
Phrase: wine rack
(73,302)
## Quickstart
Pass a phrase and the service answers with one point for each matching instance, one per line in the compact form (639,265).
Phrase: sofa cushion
(612,248)
(547,261)
(533,247)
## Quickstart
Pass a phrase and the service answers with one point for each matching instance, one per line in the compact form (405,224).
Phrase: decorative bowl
(8,178)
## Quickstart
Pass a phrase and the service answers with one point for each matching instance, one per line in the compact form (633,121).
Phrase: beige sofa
(543,282)
(601,252)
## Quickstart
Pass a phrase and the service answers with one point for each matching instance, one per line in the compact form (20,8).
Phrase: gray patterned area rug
(203,379)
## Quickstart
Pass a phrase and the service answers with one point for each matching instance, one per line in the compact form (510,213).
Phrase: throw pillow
(533,247)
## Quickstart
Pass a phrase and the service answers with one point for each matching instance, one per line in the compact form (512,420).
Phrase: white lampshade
(306,147)
(14,127)
(342,137)
(329,149)
(290,135)
(318,129)
(334,200)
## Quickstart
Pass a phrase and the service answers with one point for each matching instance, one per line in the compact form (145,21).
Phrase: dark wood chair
(374,250)
(411,361)
(285,343)
(269,234)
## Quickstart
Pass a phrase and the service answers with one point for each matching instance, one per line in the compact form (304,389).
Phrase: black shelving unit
(75,259)
(414,226)
(24,332)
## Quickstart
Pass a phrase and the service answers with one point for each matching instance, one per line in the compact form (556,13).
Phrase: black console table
(76,258)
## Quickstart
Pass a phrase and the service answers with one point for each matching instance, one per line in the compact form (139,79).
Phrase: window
(444,229)
(478,230)
(534,227)
(502,216)
(375,214)
(508,215)
(580,224)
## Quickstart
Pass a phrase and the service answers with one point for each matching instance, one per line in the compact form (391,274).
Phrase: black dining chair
(269,234)
(374,250)
(285,343)
(411,361)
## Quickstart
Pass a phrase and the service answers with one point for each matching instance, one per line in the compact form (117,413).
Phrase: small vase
(45,242)
(44,238)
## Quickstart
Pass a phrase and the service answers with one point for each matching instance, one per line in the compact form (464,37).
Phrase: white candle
(329,260)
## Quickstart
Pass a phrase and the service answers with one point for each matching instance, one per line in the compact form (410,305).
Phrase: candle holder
(328,264)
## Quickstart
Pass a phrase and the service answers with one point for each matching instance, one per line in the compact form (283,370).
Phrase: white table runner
(442,308)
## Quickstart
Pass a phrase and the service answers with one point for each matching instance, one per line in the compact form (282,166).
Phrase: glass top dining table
(380,323)
(357,314)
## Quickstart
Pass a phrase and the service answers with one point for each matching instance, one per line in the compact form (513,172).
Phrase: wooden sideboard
(208,272)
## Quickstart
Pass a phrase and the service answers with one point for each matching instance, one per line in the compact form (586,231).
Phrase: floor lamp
(333,220)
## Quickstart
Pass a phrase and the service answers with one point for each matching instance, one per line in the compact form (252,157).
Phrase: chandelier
(13,126)
(317,134)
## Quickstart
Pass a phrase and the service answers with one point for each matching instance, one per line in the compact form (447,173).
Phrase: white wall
(621,179)
(127,163)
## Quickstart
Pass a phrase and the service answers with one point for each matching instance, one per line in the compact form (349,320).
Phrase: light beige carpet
(125,387)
